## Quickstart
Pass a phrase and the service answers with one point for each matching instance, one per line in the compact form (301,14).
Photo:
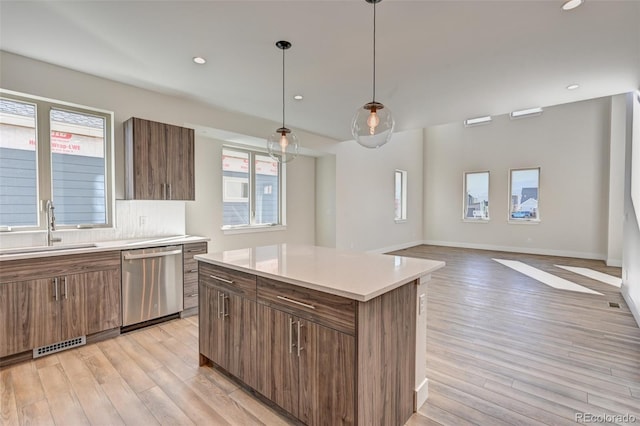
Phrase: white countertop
(98,246)
(355,275)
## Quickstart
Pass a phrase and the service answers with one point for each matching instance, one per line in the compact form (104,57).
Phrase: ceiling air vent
(469,122)
(530,112)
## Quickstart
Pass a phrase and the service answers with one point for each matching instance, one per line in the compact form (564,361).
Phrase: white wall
(617,144)
(365,194)
(326,201)
(570,143)
(21,74)
(204,215)
(631,251)
(26,75)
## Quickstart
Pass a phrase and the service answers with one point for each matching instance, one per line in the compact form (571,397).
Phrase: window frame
(252,226)
(464,198)
(403,194)
(44,158)
(226,180)
(524,220)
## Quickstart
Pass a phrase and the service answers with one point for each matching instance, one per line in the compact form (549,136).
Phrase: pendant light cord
(374,51)
(283,87)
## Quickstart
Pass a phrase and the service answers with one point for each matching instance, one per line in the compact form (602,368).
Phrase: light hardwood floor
(503,349)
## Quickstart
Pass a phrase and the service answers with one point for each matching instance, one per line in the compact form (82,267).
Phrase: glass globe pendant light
(372,125)
(283,145)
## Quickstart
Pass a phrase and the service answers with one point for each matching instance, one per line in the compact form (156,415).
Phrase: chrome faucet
(51,223)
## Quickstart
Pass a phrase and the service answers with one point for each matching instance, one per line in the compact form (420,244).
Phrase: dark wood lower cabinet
(190,283)
(30,315)
(240,338)
(362,373)
(60,299)
(306,368)
(327,376)
(91,303)
(230,338)
(278,364)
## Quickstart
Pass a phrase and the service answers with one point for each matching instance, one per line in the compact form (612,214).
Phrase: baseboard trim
(635,310)
(512,249)
(614,262)
(420,395)
(396,247)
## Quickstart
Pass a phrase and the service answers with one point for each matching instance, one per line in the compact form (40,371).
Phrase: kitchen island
(330,336)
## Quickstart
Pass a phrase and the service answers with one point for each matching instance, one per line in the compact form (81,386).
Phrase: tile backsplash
(134,219)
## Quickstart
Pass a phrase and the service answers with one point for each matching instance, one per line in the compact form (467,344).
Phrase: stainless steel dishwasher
(151,283)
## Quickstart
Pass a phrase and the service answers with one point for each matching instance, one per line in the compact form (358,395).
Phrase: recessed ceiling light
(571,4)
(530,112)
(298,97)
(477,120)
(199,60)
(573,86)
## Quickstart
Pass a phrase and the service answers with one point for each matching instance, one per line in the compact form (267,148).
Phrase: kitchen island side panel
(386,357)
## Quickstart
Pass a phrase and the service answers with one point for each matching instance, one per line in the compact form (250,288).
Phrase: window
(400,198)
(476,196)
(54,151)
(236,189)
(524,195)
(250,189)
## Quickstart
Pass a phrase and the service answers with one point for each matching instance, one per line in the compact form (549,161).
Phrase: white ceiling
(437,61)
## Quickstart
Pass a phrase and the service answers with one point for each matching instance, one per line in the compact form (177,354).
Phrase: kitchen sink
(22,250)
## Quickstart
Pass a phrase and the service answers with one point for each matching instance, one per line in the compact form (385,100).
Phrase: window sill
(476,220)
(252,229)
(524,222)
(400,220)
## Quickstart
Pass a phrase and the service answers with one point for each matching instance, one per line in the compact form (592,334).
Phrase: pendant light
(283,144)
(372,125)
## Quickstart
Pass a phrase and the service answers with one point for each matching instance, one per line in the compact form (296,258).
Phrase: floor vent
(614,305)
(60,346)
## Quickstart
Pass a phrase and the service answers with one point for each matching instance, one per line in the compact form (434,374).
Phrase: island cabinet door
(211,323)
(327,375)
(240,338)
(277,358)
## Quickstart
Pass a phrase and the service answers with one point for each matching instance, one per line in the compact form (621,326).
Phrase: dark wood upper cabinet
(159,161)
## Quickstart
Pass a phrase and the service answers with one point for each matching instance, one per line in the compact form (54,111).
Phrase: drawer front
(190,250)
(47,267)
(237,282)
(190,272)
(190,294)
(327,309)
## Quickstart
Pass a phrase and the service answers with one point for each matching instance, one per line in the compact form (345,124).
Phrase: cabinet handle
(286,299)
(191,271)
(225,311)
(163,189)
(222,312)
(65,287)
(299,347)
(193,295)
(291,335)
(55,288)
(169,188)
(221,279)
